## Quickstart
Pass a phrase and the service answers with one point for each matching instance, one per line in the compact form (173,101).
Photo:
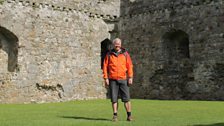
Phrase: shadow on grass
(216,124)
(85,118)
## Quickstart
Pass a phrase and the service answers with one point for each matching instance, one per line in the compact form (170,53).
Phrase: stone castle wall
(50,51)
(177,48)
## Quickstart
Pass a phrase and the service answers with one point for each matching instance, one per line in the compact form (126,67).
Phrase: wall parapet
(63,9)
(174,6)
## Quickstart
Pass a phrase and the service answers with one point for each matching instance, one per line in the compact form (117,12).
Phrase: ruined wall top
(110,7)
(137,7)
(104,9)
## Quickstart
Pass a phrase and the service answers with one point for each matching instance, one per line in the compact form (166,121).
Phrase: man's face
(117,45)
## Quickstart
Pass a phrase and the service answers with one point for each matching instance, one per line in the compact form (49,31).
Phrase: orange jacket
(117,66)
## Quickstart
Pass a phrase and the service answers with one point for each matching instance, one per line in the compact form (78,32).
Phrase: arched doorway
(177,67)
(106,46)
(170,80)
(9,44)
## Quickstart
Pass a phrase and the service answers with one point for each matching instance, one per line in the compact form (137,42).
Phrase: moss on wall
(1,1)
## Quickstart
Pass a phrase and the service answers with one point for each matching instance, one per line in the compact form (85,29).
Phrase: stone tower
(50,49)
(177,47)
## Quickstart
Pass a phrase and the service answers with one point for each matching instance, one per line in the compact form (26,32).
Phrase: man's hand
(130,81)
(106,82)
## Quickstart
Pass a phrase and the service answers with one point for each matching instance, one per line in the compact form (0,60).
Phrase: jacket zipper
(117,67)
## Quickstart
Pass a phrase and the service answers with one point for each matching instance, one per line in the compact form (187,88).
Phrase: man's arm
(129,66)
(105,70)
(129,69)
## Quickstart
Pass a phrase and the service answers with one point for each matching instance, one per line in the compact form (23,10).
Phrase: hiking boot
(114,119)
(129,118)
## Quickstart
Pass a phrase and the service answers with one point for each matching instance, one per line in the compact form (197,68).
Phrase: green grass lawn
(99,113)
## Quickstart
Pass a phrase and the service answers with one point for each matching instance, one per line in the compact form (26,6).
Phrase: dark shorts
(117,87)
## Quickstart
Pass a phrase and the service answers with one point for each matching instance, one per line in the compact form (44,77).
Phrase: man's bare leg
(128,110)
(127,106)
(115,109)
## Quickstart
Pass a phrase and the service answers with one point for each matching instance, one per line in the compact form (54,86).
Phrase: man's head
(117,44)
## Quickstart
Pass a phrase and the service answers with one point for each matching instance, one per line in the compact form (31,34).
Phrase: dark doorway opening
(9,43)
(106,46)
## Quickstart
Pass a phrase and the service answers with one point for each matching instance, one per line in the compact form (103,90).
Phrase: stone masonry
(50,50)
(177,47)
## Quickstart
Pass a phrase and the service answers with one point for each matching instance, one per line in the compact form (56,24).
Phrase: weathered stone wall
(56,49)
(50,49)
(176,46)
(101,7)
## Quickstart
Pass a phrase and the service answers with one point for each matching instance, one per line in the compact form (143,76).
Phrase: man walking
(118,75)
